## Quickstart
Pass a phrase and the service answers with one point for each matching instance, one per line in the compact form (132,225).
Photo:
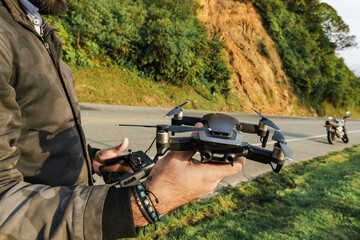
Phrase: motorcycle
(335,128)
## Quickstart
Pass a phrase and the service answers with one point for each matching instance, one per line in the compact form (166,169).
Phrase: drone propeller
(267,121)
(281,140)
(176,110)
(134,125)
(171,128)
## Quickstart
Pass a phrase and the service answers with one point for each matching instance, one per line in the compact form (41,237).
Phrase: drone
(220,140)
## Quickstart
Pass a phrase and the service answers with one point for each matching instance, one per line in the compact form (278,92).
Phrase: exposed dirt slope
(258,77)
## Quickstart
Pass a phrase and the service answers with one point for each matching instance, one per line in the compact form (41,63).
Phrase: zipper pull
(47,47)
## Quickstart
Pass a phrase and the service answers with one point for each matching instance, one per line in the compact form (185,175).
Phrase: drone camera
(229,158)
(220,134)
(218,157)
(207,155)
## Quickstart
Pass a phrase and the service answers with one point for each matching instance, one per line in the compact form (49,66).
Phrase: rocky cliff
(258,78)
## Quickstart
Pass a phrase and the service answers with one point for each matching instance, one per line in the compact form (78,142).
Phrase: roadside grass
(123,87)
(115,85)
(316,199)
(340,112)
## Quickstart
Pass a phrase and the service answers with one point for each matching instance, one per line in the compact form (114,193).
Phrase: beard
(51,7)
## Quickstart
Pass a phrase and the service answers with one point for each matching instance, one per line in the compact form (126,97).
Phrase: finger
(199,125)
(118,168)
(108,153)
(96,167)
(181,155)
(122,147)
(220,171)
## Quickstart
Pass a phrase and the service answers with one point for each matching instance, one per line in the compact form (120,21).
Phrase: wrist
(169,196)
(147,206)
(139,219)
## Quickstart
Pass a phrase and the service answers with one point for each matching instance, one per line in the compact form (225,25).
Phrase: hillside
(225,55)
(258,79)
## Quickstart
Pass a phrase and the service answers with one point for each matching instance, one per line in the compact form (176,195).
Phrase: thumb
(122,147)
(111,152)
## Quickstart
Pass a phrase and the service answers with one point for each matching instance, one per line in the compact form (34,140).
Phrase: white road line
(305,138)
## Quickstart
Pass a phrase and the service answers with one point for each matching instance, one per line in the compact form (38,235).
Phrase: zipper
(44,38)
(30,27)
(48,33)
(76,117)
(47,47)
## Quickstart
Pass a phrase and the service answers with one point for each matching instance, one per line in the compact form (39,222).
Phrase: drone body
(220,140)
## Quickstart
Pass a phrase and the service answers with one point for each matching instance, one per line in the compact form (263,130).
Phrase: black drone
(218,141)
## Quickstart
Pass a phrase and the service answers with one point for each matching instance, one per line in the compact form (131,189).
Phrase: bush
(307,33)
(162,39)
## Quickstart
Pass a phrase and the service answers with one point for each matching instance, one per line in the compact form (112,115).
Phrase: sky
(349,10)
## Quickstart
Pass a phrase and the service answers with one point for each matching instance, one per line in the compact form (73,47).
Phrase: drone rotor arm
(263,156)
(181,144)
(183,129)
(252,128)
(258,154)
(190,121)
(175,144)
(248,128)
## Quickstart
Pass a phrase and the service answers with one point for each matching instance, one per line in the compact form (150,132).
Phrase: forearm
(45,212)
(122,214)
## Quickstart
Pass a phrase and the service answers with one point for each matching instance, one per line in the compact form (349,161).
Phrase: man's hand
(177,178)
(109,153)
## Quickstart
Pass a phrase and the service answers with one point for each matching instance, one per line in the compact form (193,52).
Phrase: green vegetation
(307,33)
(116,85)
(316,199)
(163,40)
(163,46)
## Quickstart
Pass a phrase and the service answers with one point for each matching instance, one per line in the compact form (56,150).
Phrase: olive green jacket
(45,170)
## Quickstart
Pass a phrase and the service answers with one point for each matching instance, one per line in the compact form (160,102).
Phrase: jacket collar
(16,11)
(34,16)
(28,7)
(20,15)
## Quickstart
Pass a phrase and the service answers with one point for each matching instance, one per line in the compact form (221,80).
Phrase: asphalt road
(306,136)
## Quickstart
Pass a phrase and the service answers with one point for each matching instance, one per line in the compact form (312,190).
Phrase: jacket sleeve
(34,211)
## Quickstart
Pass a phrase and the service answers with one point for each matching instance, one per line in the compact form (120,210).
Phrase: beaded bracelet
(147,202)
(149,206)
(141,206)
